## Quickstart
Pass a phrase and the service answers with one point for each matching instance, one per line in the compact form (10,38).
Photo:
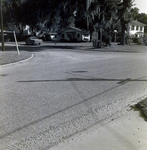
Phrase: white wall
(133,32)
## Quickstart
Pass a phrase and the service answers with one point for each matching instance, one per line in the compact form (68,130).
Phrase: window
(63,35)
(132,27)
(140,28)
(78,35)
(137,28)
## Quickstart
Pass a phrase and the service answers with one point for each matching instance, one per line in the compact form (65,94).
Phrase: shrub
(139,41)
(145,41)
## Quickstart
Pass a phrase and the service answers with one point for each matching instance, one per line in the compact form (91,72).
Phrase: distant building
(136,29)
(26,30)
(54,36)
(70,34)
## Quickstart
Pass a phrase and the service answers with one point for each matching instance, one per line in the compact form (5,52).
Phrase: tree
(15,14)
(90,15)
(63,14)
(135,13)
(100,16)
(27,12)
(124,15)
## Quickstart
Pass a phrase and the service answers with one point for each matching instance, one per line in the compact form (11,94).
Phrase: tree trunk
(122,32)
(20,28)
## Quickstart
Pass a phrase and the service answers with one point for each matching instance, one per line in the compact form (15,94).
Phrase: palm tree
(124,16)
(102,14)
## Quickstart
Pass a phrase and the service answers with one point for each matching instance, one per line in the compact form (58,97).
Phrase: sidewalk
(128,132)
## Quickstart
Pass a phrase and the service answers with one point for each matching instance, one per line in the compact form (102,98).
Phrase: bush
(138,40)
(128,40)
(145,41)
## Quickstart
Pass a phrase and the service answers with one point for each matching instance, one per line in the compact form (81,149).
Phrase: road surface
(61,92)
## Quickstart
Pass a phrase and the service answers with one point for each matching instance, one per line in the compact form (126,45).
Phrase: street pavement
(75,98)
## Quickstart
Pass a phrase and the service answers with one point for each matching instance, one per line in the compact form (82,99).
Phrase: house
(71,34)
(26,31)
(136,29)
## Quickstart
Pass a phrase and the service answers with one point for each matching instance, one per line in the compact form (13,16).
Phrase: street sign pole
(16,43)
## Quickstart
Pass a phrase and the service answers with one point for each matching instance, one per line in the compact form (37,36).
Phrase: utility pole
(2,34)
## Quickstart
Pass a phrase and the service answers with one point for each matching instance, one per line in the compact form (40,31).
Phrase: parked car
(33,40)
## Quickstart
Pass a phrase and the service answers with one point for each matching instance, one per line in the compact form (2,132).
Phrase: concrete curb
(21,61)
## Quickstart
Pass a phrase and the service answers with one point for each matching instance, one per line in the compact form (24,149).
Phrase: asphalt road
(61,92)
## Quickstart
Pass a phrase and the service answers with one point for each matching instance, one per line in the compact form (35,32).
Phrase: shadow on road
(120,81)
(69,107)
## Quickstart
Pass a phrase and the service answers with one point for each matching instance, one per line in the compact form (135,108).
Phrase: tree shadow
(119,81)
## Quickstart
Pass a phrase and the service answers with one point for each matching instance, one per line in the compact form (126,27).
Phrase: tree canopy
(90,15)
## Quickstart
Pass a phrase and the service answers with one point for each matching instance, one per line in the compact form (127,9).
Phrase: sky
(142,5)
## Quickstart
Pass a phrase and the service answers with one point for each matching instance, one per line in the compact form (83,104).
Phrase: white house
(136,29)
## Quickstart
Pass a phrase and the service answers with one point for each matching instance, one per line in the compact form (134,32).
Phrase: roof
(73,28)
(52,33)
(137,23)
